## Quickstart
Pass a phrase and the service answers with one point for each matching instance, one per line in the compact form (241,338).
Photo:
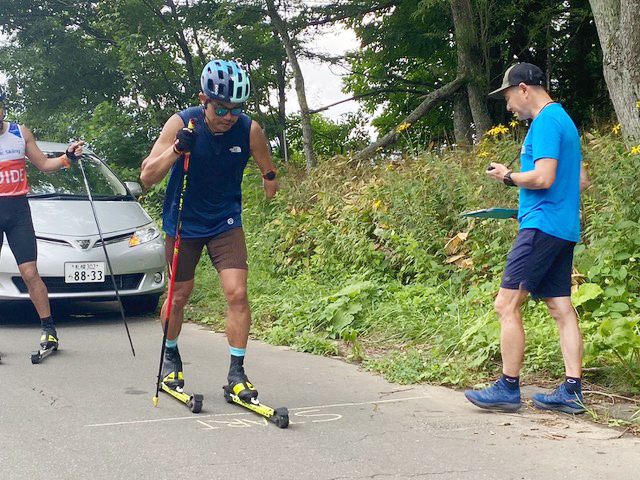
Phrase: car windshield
(69,182)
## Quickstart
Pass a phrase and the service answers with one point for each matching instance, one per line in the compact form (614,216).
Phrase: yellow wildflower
(402,127)
(377,204)
(635,150)
(513,123)
(484,153)
(497,130)
(616,129)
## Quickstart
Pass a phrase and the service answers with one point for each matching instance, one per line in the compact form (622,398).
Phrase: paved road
(87,413)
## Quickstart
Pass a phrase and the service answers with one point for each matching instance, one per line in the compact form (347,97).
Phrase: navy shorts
(540,264)
(16,224)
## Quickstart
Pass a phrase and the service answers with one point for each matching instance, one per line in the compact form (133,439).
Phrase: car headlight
(144,234)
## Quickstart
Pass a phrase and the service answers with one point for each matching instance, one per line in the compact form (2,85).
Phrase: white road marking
(304,411)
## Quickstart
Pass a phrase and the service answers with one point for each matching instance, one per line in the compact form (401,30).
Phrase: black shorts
(226,250)
(16,224)
(540,264)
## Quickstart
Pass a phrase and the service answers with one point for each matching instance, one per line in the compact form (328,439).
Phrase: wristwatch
(507,180)
(270,175)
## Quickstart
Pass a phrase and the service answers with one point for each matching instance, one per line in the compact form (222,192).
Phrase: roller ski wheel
(39,355)
(279,416)
(193,402)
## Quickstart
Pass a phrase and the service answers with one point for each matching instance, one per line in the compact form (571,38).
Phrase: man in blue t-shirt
(541,260)
(219,139)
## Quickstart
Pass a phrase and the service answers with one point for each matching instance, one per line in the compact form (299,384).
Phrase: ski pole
(174,260)
(106,255)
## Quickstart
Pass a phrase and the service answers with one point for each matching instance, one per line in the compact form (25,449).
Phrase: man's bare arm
(162,156)
(39,159)
(262,157)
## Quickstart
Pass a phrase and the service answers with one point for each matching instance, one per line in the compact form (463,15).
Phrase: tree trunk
(469,64)
(618,27)
(429,101)
(281,68)
(462,119)
(307,132)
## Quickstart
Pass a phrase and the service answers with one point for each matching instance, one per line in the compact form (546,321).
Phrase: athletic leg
(228,253)
(234,285)
(562,311)
(181,294)
(182,287)
(508,305)
(36,287)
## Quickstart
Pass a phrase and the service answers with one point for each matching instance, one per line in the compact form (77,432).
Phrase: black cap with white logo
(526,73)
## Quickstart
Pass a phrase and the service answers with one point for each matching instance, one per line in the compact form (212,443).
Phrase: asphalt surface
(87,413)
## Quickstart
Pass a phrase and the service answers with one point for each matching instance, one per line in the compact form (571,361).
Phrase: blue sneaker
(497,397)
(560,400)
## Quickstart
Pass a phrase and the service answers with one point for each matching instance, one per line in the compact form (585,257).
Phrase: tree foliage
(93,69)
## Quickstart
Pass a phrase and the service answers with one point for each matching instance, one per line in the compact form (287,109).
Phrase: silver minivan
(71,258)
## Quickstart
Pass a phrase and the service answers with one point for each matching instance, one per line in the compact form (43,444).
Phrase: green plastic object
(493,213)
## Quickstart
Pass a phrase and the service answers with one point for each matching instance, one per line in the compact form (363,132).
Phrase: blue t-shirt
(555,210)
(212,201)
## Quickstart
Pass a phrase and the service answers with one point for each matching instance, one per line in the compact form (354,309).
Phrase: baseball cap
(526,73)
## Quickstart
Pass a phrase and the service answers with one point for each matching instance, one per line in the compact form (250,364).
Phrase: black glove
(71,154)
(185,139)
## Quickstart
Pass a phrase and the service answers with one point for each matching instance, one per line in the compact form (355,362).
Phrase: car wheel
(138,304)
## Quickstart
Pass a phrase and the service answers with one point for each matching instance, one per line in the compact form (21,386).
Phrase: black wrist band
(507,180)
(71,155)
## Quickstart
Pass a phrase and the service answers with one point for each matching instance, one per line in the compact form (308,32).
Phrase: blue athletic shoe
(497,397)
(560,400)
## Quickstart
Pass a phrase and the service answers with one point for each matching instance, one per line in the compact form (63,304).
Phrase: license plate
(84,272)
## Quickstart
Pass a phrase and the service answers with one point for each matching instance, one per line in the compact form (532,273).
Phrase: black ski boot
(242,387)
(49,338)
(172,369)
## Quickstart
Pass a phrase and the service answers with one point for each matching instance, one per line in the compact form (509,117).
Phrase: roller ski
(241,392)
(48,345)
(173,382)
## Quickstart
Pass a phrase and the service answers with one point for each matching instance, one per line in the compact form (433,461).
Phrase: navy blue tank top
(213,197)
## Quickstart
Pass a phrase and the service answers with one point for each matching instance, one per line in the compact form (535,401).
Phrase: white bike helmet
(225,80)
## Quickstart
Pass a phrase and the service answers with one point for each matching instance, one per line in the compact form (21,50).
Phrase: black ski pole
(174,261)
(106,255)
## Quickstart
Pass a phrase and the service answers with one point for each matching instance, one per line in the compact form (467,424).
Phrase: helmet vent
(231,86)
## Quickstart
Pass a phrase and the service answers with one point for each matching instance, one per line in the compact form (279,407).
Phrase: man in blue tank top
(541,260)
(220,143)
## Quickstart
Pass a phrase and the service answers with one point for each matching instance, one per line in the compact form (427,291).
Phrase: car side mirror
(134,188)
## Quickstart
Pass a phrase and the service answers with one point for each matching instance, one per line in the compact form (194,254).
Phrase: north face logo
(235,150)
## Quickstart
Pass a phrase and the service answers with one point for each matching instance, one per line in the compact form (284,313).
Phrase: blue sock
(573,384)
(171,343)
(512,383)
(237,352)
